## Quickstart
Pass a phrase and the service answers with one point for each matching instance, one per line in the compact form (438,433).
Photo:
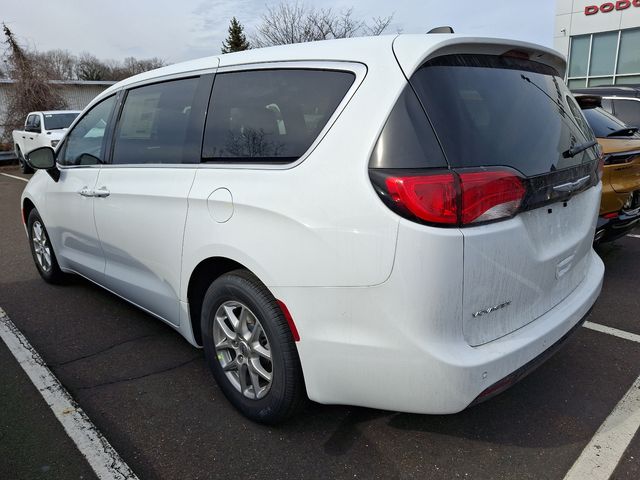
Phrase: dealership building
(601,41)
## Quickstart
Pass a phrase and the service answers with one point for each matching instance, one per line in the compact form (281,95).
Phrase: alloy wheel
(243,349)
(41,246)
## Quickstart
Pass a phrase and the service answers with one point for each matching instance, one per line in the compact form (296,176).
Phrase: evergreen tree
(236,41)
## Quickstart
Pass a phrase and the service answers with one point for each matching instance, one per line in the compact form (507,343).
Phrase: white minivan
(400,222)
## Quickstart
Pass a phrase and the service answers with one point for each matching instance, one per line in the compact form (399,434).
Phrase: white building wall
(76,94)
(571,20)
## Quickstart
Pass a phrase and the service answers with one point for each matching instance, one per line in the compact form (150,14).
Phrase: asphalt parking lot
(152,396)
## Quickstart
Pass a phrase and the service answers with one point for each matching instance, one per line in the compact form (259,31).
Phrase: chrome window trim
(357,68)
(614,97)
(169,77)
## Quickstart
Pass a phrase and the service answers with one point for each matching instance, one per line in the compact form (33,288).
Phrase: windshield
(56,121)
(502,111)
(604,124)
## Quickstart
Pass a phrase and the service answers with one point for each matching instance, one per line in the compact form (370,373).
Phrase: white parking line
(612,331)
(602,454)
(633,235)
(15,176)
(104,460)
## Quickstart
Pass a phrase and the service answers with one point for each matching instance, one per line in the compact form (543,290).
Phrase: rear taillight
(431,198)
(489,196)
(454,198)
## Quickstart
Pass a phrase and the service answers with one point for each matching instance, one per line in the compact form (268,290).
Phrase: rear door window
(270,116)
(502,111)
(154,123)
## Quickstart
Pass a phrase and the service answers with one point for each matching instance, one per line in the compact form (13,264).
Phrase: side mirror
(42,158)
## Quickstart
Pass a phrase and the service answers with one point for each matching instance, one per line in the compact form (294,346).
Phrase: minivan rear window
(270,115)
(502,111)
(604,124)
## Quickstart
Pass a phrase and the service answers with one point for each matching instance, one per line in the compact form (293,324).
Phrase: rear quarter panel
(315,223)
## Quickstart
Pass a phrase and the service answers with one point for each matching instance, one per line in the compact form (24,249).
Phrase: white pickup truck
(41,129)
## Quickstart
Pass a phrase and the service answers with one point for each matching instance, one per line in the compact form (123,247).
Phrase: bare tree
(131,66)
(89,67)
(296,22)
(31,88)
(59,64)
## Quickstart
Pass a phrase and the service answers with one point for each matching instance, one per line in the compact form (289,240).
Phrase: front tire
(250,349)
(42,251)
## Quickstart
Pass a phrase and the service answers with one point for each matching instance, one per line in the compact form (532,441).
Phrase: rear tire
(42,250)
(250,349)
(24,167)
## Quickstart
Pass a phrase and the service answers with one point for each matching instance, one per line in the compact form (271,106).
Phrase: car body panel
(141,227)
(70,222)
(381,352)
(529,264)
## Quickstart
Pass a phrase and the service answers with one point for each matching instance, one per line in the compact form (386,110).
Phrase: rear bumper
(371,347)
(609,230)
(514,377)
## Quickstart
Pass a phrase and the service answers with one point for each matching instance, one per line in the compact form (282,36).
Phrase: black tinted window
(407,140)
(36,121)
(154,122)
(489,110)
(270,115)
(628,111)
(56,121)
(603,123)
(84,144)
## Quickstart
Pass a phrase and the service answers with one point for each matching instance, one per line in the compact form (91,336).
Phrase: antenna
(441,30)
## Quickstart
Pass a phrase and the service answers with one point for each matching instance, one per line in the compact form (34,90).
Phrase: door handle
(101,192)
(86,192)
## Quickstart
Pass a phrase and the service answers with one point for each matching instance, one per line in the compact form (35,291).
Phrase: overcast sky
(185,29)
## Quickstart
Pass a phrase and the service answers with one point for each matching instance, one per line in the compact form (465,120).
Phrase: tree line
(284,23)
(63,65)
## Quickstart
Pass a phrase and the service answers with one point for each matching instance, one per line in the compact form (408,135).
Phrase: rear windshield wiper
(623,132)
(576,149)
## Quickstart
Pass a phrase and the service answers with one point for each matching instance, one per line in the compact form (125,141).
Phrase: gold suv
(620,204)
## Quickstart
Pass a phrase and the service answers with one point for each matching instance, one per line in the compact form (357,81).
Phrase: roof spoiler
(589,101)
(443,29)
